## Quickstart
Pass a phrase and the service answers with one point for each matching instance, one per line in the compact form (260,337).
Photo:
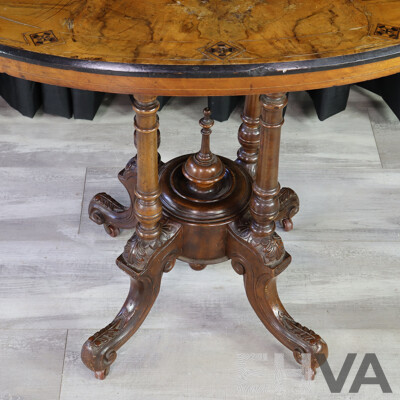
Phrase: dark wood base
(227,235)
(204,210)
(105,210)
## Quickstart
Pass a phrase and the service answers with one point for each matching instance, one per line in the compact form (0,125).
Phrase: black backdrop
(27,97)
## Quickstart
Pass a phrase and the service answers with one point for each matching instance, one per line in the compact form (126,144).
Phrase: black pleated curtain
(27,97)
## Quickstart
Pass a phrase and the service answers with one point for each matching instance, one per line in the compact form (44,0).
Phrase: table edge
(200,71)
(199,86)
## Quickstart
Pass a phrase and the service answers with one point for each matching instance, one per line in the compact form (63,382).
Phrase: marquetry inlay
(41,38)
(391,32)
(222,50)
(199,32)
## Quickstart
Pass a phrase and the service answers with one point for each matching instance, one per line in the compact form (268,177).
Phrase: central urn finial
(204,169)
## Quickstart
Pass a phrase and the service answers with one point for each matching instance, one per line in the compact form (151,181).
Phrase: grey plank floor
(202,340)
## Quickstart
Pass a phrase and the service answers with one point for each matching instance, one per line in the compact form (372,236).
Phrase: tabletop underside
(199,32)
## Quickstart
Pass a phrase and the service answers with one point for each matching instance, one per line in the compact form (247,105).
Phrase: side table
(201,208)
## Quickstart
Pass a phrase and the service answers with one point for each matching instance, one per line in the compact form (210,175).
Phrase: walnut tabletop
(158,44)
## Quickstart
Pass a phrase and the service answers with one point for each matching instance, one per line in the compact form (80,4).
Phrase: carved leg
(249,139)
(105,210)
(145,262)
(151,251)
(257,252)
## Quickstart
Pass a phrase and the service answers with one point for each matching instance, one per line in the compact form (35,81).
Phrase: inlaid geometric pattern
(41,38)
(392,32)
(268,32)
(222,50)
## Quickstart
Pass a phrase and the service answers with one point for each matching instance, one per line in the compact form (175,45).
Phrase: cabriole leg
(257,252)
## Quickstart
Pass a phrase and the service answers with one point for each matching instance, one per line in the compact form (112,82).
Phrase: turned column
(133,101)
(249,134)
(105,210)
(147,206)
(264,203)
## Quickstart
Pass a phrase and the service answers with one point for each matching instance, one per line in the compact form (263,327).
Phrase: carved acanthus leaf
(137,251)
(270,248)
(108,333)
(302,332)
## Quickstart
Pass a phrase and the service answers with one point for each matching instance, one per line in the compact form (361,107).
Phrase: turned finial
(204,169)
(206,124)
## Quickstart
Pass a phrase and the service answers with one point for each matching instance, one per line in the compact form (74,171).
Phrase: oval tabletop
(180,47)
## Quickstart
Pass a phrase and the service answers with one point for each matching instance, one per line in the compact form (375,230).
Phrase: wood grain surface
(205,39)
(188,31)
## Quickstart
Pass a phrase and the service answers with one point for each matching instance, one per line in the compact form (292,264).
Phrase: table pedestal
(204,209)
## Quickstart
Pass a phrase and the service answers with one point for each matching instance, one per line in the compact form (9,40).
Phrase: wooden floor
(59,283)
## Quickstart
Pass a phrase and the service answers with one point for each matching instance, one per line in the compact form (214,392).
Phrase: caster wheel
(101,375)
(287,224)
(112,230)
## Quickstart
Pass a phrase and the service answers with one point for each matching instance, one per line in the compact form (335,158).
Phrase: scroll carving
(100,350)
(289,206)
(270,248)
